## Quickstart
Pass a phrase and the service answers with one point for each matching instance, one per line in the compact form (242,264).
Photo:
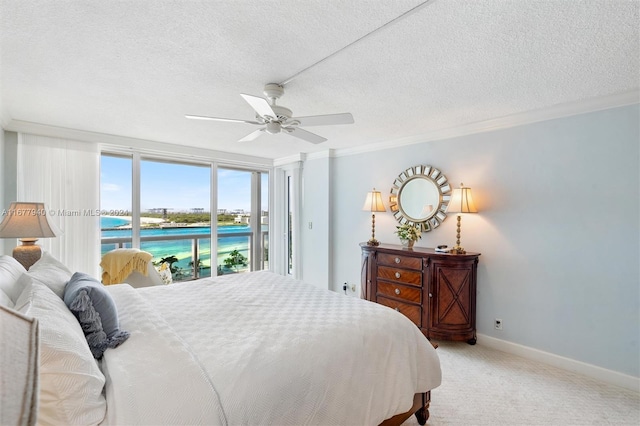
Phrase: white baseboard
(589,370)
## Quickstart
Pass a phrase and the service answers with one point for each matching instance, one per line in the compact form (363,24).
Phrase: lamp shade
(27,220)
(461,201)
(373,203)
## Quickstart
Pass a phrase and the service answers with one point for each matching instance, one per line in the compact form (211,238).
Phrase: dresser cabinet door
(452,300)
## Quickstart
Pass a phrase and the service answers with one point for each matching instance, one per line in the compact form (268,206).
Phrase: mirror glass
(419,196)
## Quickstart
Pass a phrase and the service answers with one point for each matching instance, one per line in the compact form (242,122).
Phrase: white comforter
(258,349)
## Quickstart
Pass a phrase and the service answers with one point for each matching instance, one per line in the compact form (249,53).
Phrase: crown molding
(300,157)
(124,144)
(329,153)
(554,112)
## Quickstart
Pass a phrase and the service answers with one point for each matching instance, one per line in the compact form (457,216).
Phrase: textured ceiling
(135,68)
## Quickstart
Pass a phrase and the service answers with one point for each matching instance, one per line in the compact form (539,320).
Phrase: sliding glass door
(243,220)
(165,208)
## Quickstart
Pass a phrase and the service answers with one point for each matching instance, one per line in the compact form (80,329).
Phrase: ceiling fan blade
(251,136)
(303,134)
(260,105)
(323,120)
(232,120)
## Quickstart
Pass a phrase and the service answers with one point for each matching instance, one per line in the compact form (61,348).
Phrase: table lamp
(373,204)
(461,202)
(28,222)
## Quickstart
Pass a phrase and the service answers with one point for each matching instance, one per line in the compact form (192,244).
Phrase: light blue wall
(8,179)
(9,171)
(558,228)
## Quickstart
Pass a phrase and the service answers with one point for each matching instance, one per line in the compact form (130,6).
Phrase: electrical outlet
(346,286)
(497,324)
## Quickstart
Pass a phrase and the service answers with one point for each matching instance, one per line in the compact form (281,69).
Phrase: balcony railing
(195,265)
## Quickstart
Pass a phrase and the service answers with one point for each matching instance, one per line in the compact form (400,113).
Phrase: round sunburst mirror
(420,196)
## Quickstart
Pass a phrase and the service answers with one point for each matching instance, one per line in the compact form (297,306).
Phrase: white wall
(558,228)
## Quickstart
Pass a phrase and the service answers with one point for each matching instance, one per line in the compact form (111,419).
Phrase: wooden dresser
(437,291)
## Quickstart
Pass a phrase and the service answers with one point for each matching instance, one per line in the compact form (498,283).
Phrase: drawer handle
(430,295)
(397,274)
(397,309)
(397,291)
(397,260)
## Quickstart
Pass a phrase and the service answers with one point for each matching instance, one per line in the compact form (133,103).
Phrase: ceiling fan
(276,118)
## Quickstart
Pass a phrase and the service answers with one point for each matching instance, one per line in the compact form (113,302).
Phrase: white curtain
(64,174)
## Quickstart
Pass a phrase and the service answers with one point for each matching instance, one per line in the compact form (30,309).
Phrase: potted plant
(408,234)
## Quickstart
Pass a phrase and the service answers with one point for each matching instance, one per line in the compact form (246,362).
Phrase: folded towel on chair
(118,264)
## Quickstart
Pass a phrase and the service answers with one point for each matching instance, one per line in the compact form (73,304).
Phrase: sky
(177,187)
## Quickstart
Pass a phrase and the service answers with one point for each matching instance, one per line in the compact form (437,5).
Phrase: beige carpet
(482,386)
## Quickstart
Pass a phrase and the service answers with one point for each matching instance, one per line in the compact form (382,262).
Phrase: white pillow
(51,272)
(24,282)
(5,300)
(10,271)
(71,382)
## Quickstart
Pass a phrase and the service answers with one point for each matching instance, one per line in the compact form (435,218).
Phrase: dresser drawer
(410,311)
(400,275)
(410,294)
(400,261)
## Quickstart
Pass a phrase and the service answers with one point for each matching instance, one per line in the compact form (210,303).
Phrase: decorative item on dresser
(437,291)
(373,203)
(408,235)
(461,202)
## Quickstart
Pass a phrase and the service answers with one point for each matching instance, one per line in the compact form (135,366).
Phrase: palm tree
(196,267)
(235,259)
(170,260)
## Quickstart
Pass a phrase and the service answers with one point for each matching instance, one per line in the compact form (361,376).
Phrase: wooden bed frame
(420,408)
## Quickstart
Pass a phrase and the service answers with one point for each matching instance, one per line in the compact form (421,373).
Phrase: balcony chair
(131,266)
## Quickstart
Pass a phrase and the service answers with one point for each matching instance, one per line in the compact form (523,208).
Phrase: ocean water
(112,222)
(181,248)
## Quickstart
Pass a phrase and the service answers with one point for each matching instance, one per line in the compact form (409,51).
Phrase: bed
(252,348)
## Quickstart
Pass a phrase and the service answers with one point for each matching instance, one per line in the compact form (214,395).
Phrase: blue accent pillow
(96,311)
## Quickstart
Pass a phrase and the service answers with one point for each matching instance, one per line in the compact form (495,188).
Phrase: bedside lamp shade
(373,203)
(28,222)
(461,202)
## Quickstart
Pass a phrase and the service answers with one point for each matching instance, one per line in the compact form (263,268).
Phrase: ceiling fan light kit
(278,119)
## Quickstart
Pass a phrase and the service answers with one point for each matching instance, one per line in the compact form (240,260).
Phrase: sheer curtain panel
(64,174)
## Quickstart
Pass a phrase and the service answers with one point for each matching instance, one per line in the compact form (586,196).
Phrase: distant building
(162,210)
(241,218)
